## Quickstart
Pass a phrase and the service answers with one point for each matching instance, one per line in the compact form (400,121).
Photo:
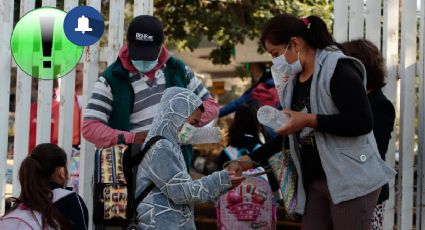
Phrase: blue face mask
(144,66)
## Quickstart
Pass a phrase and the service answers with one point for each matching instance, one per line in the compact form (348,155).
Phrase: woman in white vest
(340,172)
(44,203)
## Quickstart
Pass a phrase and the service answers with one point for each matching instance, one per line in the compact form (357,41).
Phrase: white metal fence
(91,58)
(393,26)
(377,20)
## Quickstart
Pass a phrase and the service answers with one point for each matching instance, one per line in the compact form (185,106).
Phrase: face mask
(281,65)
(144,66)
(193,135)
(186,133)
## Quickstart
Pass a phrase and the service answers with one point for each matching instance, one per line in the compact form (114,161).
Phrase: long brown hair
(34,176)
(245,122)
(372,59)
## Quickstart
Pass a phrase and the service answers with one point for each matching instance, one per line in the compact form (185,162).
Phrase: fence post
(22,117)
(66,107)
(420,205)
(340,28)
(390,53)
(116,29)
(6,16)
(143,7)
(90,75)
(356,20)
(44,102)
(373,22)
(407,116)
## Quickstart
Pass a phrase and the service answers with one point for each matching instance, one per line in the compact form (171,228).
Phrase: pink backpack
(248,206)
(24,219)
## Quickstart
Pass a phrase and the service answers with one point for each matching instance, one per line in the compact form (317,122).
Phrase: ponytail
(34,176)
(318,35)
(281,28)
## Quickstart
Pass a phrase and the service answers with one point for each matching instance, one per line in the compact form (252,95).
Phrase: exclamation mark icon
(47,26)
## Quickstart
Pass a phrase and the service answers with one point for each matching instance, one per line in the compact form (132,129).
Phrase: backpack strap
(136,160)
(147,190)
(144,194)
(130,170)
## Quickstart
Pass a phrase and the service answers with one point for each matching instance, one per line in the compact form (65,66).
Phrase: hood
(177,104)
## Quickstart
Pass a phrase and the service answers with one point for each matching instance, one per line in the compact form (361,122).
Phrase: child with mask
(126,97)
(169,205)
(43,202)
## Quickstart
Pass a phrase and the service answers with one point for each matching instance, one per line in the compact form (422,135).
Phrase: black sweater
(383,116)
(69,207)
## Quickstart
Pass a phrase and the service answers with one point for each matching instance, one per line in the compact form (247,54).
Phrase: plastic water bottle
(271,117)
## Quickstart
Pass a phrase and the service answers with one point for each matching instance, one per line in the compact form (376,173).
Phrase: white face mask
(281,65)
(144,66)
(193,135)
(186,133)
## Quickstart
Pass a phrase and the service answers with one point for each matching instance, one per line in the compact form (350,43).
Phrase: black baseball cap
(145,36)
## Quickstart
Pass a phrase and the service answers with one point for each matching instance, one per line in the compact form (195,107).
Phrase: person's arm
(260,155)
(349,95)
(102,135)
(384,116)
(210,105)
(175,182)
(96,116)
(263,153)
(233,105)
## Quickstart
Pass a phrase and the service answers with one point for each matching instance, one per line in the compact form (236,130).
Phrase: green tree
(227,22)
(224,22)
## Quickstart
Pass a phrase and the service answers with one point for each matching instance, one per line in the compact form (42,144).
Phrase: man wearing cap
(126,97)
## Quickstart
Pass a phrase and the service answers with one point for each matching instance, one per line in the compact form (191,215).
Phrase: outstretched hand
(297,122)
(235,179)
(241,164)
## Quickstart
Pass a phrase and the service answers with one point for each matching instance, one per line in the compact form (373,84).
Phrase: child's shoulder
(60,193)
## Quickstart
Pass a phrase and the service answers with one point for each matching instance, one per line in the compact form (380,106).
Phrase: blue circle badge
(83,25)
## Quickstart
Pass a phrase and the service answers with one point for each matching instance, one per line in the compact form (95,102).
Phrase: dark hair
(281,28)
(372,59)
(34,176)
(244,122)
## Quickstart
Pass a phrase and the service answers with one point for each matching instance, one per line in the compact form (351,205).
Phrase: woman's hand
(297,122)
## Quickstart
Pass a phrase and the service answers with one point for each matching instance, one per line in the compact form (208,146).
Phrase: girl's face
(194,118)
(60,176)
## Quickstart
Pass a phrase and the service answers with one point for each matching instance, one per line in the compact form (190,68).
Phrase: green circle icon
(40,47)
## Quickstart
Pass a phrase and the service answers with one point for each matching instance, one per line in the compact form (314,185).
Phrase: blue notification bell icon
(83,25)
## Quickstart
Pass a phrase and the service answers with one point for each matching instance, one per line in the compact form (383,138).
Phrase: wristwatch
(121,139)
